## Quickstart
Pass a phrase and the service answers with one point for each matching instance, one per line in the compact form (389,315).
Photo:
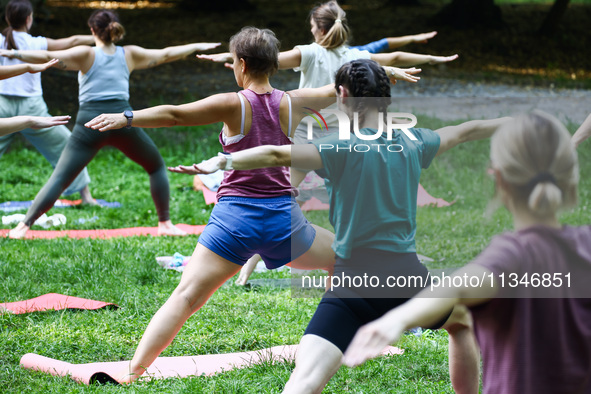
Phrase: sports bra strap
(289,132)
(243,110)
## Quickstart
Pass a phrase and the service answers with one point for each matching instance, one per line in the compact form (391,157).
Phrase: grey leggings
(85,143)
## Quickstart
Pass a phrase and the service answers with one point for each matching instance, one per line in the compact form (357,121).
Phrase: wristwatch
(228,157)
(129,115)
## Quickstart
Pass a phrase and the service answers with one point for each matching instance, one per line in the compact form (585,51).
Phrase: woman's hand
(205,167)
(442,59)
(403,74)
(423,37)
(35,68)
(106,122)
(40,122)
(370,341)
(9,53)
(225,58)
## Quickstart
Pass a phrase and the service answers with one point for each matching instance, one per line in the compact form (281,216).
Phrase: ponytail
(332,20)
(116,31)
(9,42)
(535,157)
(105,25)
(17,12)
(545,198)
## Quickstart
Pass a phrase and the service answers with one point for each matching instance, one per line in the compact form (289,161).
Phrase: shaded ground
(511,55)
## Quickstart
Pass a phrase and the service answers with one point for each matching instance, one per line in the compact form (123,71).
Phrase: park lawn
(124,271)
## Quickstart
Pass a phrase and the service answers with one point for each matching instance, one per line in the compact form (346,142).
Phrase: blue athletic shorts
(275,228)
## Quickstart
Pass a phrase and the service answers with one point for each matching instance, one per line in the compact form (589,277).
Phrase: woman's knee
(192,295)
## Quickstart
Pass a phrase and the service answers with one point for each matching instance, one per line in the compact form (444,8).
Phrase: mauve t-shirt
(531,343)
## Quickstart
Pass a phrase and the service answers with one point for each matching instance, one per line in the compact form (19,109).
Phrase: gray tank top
(107,79)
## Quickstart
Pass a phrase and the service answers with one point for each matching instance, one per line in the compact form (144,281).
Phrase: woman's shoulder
(312,49)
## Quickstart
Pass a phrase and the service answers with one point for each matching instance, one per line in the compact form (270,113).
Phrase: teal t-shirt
(373,187)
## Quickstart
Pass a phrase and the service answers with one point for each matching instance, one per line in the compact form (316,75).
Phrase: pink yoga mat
(166,367)
(314,204)
(118,232)
(53,301)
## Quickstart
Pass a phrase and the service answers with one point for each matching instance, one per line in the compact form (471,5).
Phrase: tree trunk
(556,13)
(470,13)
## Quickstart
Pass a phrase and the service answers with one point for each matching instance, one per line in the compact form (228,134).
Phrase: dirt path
(452,100)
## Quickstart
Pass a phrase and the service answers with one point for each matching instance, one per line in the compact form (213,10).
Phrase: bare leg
(204,274)
(320,255)
(247,269)
(464,355)
(316,362)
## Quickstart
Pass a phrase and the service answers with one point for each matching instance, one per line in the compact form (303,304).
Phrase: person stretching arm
(17,123)
(18,69)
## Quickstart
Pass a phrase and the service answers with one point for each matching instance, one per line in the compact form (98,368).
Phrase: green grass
(124,271)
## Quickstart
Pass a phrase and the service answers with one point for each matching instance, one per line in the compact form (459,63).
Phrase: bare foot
(87,197)
(167,228)
(124,376)
(19,231)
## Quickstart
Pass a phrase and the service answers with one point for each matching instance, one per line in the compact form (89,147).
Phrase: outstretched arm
(468,131)
(583,132)
(217,108)
(69,42)
(287,59)
(290,59)
(397,42)
(16,123)
(425,309)
(79,58)
(406,59)
(300,156)
(139,58)
(18,69)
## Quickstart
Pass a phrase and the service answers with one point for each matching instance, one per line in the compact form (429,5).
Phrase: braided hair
(365,78)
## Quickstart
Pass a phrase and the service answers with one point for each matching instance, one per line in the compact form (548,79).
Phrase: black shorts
(343,310)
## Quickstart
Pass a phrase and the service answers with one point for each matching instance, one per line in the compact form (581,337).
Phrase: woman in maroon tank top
(254,208)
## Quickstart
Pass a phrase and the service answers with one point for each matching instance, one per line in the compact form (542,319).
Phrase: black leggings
(85,143)
(343,311)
